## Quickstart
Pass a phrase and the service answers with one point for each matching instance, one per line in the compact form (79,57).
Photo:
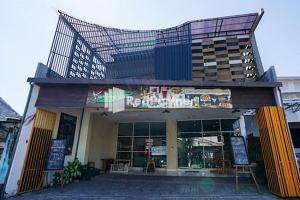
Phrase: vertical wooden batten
(277,150)
(37,149)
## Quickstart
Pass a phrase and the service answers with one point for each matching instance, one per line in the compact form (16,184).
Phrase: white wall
(103,143)
(291,90)
(290,86)
(70,111)
(17,163)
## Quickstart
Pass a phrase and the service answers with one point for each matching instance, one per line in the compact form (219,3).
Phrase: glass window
(160,161)
(188,134)
(139,159)
(139,143)
(66,130)
(141,129)
(124,143)
(189,126)
(211,125)
(229,124)
(157,129)
(124,155)
(125,129)
(159,141)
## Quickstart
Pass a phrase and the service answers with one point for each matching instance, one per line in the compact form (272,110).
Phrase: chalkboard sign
(239,151)
(56,155)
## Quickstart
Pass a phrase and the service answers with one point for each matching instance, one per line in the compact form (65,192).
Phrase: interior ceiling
(178,114)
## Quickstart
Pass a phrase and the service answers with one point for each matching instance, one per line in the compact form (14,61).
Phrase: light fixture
(104,114)
(235,110)
(165,111)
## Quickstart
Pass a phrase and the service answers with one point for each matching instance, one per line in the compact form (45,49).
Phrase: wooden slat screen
(36,153)
(279,159)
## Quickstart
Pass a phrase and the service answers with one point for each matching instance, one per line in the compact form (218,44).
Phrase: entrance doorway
(204,145)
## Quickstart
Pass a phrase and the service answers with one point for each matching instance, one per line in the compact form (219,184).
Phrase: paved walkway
(135,187)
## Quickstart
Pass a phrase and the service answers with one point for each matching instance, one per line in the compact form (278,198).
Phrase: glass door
(190,149)
(204,144)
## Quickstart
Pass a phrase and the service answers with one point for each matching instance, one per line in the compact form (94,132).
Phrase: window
(211,125)
(133,139)
(66,130)
(203,143)
(189,126)
(141,129)
(125,129)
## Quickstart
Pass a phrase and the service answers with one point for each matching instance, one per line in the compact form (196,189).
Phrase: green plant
(88,172)
(72,171)
(76,171)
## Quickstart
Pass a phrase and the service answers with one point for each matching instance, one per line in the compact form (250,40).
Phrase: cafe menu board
(56,155)
(239,151)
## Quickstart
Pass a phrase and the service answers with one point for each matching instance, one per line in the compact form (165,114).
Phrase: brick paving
(133,187)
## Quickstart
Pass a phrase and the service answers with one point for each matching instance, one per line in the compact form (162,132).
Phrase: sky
(27,30)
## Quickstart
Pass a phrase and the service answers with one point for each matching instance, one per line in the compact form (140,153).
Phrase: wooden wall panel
(277,150)
(62,96)
(37,150)
(222,54)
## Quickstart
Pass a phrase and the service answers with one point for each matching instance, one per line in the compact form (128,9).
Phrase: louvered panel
(279,159)
(222,54)
(37,149)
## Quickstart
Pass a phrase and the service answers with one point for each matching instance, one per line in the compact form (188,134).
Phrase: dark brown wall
(75,96)
(249,98)
(62,96)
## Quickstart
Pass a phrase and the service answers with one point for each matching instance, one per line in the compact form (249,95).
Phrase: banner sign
(159,150)
(119,99)
(56,155)
(239,151)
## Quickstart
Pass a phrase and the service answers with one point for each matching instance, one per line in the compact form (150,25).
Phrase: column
(243,127)
(171,144)
(84,137)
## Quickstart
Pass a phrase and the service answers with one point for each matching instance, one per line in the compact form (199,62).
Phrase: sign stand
(47,172)
(55,161)
(241,161)
(245,169)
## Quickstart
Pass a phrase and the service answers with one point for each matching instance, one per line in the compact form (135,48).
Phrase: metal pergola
(87,51)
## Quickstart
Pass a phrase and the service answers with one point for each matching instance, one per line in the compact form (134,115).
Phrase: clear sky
(27,29)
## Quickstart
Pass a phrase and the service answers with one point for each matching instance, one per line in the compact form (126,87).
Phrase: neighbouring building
(9,127)
(291,100)
(174,96)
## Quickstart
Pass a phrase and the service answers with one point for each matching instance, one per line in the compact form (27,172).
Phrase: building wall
(290,86)
(290,91)
(103,143)
(171,144)
(70,111)
(19,156)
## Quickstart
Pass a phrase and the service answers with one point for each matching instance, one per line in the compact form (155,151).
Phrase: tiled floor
(152,187)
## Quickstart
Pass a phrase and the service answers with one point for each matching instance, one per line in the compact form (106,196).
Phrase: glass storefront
(205,143)
(139,142)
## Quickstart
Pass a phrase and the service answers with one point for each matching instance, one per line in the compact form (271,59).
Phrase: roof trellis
(106,41)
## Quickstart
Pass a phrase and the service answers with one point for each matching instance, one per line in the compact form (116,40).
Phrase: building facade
(9,127)
(291,100)
(174,96)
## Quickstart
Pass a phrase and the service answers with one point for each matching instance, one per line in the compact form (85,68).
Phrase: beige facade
(103,143)
(171,144)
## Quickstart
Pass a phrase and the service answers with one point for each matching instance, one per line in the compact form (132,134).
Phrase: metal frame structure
(89,51)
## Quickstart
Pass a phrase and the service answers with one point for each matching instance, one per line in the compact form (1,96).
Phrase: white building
(291,99)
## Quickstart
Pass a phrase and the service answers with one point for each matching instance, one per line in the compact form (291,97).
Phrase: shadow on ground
(152,187)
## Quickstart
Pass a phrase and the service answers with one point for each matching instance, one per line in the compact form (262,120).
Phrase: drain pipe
(80,125)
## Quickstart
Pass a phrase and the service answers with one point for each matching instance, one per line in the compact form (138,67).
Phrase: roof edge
(181,83)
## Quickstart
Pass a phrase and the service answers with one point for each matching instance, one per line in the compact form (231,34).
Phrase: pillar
(171,144)
(84,137)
